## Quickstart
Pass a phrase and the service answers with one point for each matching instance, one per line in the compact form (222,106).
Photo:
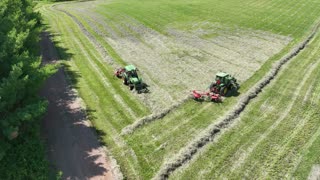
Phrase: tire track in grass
(224,157)
(148,81)
(232,155)
(285,113)
(213,130)
(285,153)
(153,117)
(100,48)
(84,21)
(102,74)
(96,70)
(308,93)
(250,149)
(104,53)
(106,84)
(302,131)
(305,149)
(115,137)
(155,86)
(302,122)
(145,96)
(166,134)
(104,94)
(97,30)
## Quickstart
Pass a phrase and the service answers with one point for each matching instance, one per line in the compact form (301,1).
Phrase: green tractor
(130,78)
(224,84)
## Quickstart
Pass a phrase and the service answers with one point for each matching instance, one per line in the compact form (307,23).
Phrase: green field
(275,137)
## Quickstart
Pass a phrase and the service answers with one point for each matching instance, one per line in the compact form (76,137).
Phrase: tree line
(21,72)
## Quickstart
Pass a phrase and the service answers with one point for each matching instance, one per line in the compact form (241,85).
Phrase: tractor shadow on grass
(73,146)
(232,94)
(143,89)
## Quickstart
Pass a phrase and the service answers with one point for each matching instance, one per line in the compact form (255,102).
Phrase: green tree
(21,73)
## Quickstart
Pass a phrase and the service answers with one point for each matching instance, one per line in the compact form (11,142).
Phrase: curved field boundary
(212,131)
(152,117)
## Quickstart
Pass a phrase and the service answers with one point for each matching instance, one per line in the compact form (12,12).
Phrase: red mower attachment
(208,96)
(118,72)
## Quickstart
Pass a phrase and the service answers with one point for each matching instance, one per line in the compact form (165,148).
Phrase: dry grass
(175,63)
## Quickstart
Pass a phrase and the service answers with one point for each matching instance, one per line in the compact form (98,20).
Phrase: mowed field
(179,46)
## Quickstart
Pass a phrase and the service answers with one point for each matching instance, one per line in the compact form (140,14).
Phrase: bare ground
(72,144)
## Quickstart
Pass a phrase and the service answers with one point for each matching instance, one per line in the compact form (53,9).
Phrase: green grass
(284,17)
(268,142)
(142,153)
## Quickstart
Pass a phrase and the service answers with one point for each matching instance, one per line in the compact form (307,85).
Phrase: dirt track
(72,145)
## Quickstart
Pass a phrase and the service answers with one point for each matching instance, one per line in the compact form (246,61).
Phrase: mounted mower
(130,78)
(223,85)
(206,96)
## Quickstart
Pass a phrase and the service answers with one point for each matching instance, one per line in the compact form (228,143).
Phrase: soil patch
(72,145)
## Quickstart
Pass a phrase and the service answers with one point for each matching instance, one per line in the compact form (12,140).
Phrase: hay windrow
(153,117)
(213,130)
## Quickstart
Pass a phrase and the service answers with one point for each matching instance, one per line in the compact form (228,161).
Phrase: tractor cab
(130,78)
(224,84)
(221,78)
(131,71)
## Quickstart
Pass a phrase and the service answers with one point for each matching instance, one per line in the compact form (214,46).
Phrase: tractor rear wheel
(223,91)
(125,81)
(131,86)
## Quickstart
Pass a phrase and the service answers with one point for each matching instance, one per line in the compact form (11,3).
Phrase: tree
(21,73)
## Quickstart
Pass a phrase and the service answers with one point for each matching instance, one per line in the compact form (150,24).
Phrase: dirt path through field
(72,145)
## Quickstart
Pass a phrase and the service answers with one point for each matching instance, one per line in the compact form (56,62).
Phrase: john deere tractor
(130,78)
(224,84)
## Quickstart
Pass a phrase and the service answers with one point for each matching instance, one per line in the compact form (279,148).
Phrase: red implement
(206,96)
(196,95)
(216,97)
(118,72)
